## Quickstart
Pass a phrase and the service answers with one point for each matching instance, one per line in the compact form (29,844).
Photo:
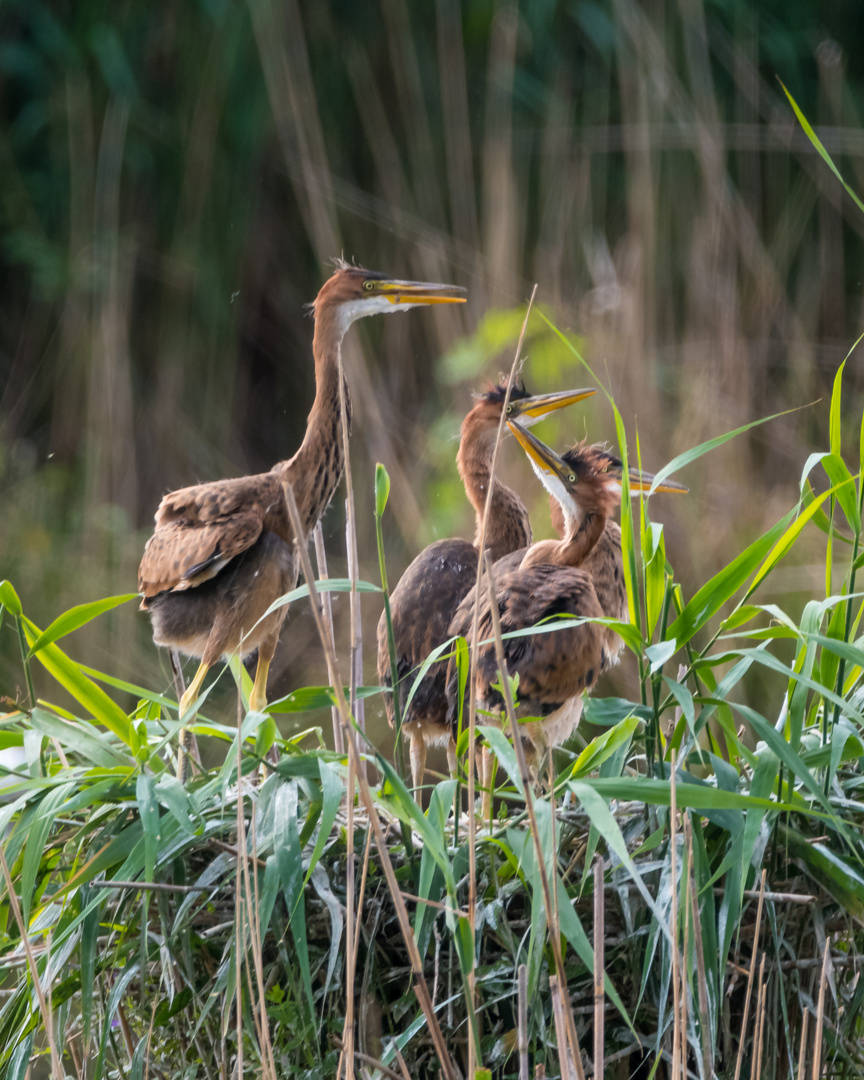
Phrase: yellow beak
(533,408)
(417,292)
(538,451)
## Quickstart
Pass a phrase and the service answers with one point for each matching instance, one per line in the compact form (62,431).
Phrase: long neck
(316,469)
(508,528)
(581,536)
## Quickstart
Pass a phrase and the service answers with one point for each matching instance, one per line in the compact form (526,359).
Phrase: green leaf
(80,737)
(149,811)
(823,153)
(604,746)
(382,489)
(37,834)
(77,617)
(9,599)
(723,586)
(703,448)
(87,693)
(835,428)
(309,698)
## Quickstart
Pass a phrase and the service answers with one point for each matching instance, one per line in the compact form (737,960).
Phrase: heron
(223,552)
(577,576)
(429,592)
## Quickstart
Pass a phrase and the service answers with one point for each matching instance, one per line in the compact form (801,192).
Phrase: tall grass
(174,185)
(203,928)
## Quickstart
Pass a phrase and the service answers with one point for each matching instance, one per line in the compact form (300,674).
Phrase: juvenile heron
(222,552)
(430,590)
(554,578)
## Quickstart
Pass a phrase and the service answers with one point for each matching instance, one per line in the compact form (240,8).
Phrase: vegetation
(173,185)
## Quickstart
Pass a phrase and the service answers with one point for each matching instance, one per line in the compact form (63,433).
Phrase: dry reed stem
(362,892)
(599,966)
(31,963)
(554,931)
(820,1012)
(355,655)
(420,988)
(238,913)
(676,961)
(701,978)
(348,1026)
(565,1057)
(327,601)
(685,957)
(802,1048)
(740,1059)
(756,1064)
(254,907)
(522,1020)
(402,1066)
(472,690)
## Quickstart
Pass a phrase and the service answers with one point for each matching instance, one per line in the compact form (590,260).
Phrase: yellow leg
(258,697)
(189,697)
(451,758)
(418,764)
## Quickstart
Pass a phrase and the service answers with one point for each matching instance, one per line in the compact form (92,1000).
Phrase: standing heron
(430,590)
(554,578)
(222,553)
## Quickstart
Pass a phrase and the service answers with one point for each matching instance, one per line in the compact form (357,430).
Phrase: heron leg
(451,758)
(418,764)
(190,695)
(258,697)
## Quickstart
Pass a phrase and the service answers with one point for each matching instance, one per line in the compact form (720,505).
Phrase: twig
(702,981)
(421,988)
(436,904)
(777,897)
(31,963)
(740,1059)
(599,965)
(820,1013)
(472,692)
(151,886)
(756,1066)
(350,928)
(554,938)
(565,1057)
(802,1048)
(327,601)
(677,1064)
(522,1020)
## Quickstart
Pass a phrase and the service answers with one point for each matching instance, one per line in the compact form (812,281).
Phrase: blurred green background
(175,177)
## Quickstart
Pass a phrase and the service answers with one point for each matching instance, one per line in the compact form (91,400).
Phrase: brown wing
(552,667)
(421,607)
(200,529)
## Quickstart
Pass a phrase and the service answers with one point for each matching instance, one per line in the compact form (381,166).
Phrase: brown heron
(554,578)
(430,590)
(222,552)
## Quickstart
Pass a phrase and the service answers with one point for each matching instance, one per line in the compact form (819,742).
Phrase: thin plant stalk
(701,980)
(802,1046)
(740,1059)
(676,962)
(820,1012)
(472,692)
(382,488)
(327,601)
(554,930)
(759,1029)
(522,1020)
(420,987)
(599,965)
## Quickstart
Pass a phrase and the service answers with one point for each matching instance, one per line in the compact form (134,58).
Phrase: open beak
(643,481)
(419,292)
(549,462)
(540,454)
(531,409)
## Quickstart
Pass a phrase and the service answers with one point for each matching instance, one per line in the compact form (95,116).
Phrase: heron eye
(572,478)
(368,286)
(509,408)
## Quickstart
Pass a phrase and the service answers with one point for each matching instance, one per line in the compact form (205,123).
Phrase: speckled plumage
(429,592)
(579,576)
(223,552)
